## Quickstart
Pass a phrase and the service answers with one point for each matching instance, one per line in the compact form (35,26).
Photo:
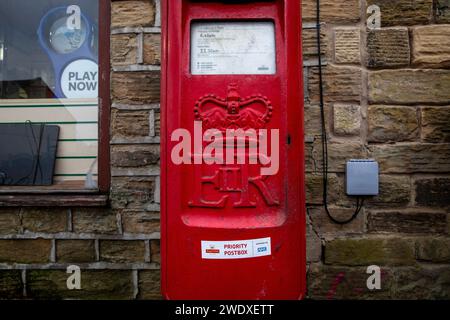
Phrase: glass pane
(233,48)
(49,93)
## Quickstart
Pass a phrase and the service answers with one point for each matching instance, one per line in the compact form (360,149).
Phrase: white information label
(236,249)
(233,48)
(80,79)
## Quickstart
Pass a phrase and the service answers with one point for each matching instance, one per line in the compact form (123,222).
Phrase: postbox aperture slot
(233,48)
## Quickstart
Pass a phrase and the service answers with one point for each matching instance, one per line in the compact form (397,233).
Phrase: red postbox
(232,180)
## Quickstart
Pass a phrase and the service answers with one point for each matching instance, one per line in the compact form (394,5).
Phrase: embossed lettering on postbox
(242,117)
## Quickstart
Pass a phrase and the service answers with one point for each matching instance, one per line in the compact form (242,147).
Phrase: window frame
(38,196)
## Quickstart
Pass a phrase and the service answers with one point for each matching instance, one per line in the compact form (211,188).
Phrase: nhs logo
(262,247)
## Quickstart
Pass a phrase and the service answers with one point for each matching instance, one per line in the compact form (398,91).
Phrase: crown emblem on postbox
(233,112)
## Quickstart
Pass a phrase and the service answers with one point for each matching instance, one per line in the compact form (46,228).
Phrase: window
(51,135)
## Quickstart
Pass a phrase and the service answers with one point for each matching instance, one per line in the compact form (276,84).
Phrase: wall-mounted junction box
(362,177)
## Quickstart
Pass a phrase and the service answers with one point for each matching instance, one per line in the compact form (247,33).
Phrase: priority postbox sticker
(236,249)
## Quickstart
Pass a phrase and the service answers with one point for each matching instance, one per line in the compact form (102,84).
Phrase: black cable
(359,204)
(36,157)
(38,161)
(27,176)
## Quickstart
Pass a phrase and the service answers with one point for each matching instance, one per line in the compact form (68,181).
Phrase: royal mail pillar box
(232,180)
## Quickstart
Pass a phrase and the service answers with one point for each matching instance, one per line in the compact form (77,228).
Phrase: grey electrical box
(362,177)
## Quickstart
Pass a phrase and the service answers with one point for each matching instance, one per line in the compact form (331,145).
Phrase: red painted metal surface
(213,202)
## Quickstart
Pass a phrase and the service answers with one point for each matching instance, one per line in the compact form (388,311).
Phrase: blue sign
(65,46)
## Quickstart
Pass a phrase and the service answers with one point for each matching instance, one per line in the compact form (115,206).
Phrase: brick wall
(387,95)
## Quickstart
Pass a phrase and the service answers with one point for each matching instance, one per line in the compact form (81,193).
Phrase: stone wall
(387,95)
